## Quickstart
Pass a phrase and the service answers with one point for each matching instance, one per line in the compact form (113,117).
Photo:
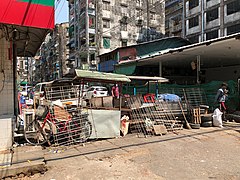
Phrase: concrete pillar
(160,69)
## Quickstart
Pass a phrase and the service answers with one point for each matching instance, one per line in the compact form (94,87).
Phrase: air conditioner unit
(28,116)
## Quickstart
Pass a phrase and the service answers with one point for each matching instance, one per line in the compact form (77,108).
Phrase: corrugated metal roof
(101,76)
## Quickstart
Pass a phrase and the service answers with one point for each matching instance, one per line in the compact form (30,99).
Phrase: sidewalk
(27,160)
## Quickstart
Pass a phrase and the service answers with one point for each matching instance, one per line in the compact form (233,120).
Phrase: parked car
(39,93)
(96,91)
(60,89)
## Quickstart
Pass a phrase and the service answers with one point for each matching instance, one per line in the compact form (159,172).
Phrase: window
(138,2)
(152,15)
(123,26)
(211,15)
(212,35)
(106,42)
(233,7)
(21,64)
(194,39)
(138,13)
(91,22)
(124,42)
(106,5)
(124,10)
(233,29)
(106,23)
(139,29)
(193,22)
(193,3)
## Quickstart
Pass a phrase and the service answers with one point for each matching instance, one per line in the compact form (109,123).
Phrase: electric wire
(133,18)
(60,8)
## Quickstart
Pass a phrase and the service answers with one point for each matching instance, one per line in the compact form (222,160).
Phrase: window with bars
(124,42)
(233,7)
(193,3)
(193,22)
(106,23)
(212,35)
(194,39)
(233,29)
(138,12)
(123,26)
(139,29)
(139,2)
(106,5)
(124,10)
(152,15)
(212,15)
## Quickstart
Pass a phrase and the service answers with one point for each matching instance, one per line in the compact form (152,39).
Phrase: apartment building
(173,18)
(25,70)
(100,26)
(53,61)
(209,19)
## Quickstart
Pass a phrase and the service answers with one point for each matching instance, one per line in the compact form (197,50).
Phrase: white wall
(6,80)
(6,95)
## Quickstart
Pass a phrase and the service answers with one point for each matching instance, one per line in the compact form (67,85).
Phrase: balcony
(177,27)
(169,3)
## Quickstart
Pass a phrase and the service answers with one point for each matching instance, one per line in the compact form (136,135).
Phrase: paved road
(207,153)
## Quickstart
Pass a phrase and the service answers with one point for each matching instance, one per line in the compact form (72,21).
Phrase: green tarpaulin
(127,69)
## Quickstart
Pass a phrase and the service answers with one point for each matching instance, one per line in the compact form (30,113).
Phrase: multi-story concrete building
(98,27)
(208,19)
(54,54)
(201,20)
(173,18)
(26,70)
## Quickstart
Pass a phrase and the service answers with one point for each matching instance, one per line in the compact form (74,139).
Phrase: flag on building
(33,13)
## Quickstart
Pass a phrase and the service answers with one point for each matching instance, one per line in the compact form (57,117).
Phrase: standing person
(221,98)
(115,95)
(115,91)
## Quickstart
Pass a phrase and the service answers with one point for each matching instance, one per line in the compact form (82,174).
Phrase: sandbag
(217,118)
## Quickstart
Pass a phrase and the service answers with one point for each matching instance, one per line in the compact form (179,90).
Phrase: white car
(39,92)
(96,91)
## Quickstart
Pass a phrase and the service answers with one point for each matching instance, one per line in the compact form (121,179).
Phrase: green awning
(147,49)
(127,69)
(100,76)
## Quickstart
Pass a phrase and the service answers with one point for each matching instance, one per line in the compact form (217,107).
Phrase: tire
(35,134)
(194,126)
(81,129)
(206,118)
(207,124)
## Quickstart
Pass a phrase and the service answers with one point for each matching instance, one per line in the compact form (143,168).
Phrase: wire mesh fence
(64,116)
(147,115)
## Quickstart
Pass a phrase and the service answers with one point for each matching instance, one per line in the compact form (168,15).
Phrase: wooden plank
(159,129)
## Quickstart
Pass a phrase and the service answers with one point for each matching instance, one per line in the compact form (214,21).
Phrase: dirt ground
(206,153)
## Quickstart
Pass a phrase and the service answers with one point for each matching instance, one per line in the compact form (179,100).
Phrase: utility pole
(148,37)
(87,34)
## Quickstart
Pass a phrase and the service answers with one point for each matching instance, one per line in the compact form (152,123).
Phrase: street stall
(104,111)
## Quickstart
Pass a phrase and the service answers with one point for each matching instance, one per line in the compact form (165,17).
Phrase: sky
(61,11)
